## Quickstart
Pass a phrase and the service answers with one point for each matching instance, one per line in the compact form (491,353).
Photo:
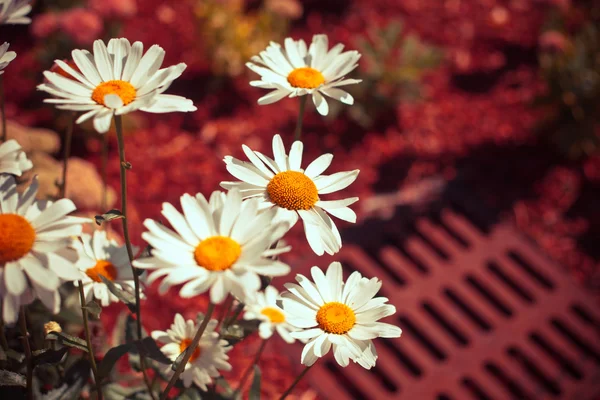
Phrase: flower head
(5,57)
(13,159)
(34,258)
(272,318)
(115,80)
(283,185)
(208,358)
(295,71)
(221,246)
(339,315)
(100,256)
(15,11)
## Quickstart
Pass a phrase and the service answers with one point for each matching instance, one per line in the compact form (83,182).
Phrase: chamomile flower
(34,254)
(295,71)
(209,357)
(100,256)
(115,80)
(15,11)
(339,315)
(6,57)
(282,184)
(272,318)
(221,247)
(13,159)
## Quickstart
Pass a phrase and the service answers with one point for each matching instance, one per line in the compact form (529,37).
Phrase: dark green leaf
(151,350)
(110,359)
(75,379)
(93,308)
(8,378)
(48,356)
(108,216)
(68,340)
(254,393)
(124,296)
(15,355)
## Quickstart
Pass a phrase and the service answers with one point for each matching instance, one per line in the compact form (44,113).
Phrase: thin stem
(225,312)
(88,339)
(289,390)
(298,133)
(250,367)
(66,154)
(3,340)
(104,171)
(189,351)
(136,279)
(27,347)
(238,310)
(2,108)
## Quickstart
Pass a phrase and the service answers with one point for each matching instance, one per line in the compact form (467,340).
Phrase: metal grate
(484,314)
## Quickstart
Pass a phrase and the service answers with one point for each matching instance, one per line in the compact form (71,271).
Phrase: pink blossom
(114,8)
(44,25)
(553,41)
(83,26)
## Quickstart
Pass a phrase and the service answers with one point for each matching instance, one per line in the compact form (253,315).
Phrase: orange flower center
(124,90)
(274,315)
(293,190)
(185,343)
(217,253)
(334,317)
(306,78)
(16,237)
(103,268)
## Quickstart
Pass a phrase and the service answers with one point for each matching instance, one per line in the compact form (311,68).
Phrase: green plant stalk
(66,154)
(225,312)
(298,132)
(3,340)
(293,385)
(136,279)
(189,351)
(104,169)
(250,367)
(88,339)
(28,356)
(4,133)
(238,310)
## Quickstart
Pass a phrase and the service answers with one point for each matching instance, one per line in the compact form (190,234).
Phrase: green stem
(27,347)
(189,351)
(238,310)
(104,169)
(250,367)
(289,390)
(298,134)
(66,154)
(2,108)
(3,340)
(88,339)
(225,312)
(136,279)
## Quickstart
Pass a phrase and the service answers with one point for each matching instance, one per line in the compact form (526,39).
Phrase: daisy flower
(115,80)
(15,11)
(221,246)
(339,315)
(208,358)
(293,191)
(100,256)
(34,236)
(6,57)
(295,71)
(272,318)
(13,159)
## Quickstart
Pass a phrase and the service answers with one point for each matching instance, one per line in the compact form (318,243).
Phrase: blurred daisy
(272,318)
(13,159)
(339,315)
(293,71)
(34,236)
(221,246)
(283,185)
(6,57)
(100,256)
(15,11)
(208,358)
(115,80)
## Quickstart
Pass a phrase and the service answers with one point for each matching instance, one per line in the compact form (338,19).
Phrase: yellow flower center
(185,343)
(217,253)
(103,268)
(16,237)
(306,78)
(124,90)
(293,190)
(274,315)
(335,318)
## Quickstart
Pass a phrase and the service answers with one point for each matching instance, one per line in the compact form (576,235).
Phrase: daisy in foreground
(339,315)
(115,80)
(208,358)
(34,236)
(5,57)
(15,11)
(13,159)
(272,318)
(221,246)
(295,71)
(283,185)
(100,256)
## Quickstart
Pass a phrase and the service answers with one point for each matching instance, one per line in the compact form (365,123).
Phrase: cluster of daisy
(221,245)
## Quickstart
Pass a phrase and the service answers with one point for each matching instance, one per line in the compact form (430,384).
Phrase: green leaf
(68,340)
(110,359)
(93,308)
(254,393)
(124,296)
(48,356)
(108,216)
(151,350)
